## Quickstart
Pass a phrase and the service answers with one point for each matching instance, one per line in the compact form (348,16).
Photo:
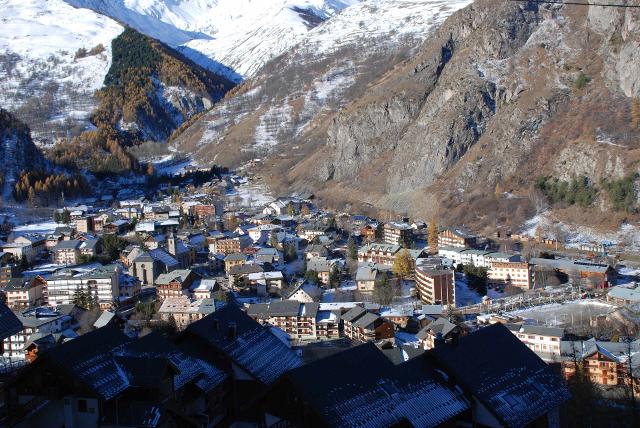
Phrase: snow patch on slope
(38,43)
(232,37)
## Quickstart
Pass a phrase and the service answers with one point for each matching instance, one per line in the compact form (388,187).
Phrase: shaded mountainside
(149,91)
(17,151)
(501,94)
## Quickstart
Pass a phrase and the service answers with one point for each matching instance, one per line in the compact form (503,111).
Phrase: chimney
(232,330)
(439,340)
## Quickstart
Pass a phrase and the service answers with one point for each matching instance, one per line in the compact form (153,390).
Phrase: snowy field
(563,314)
(44,228)
(250,195)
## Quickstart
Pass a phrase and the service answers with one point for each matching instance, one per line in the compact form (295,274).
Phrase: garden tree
(231,222)
(334,277)
(65,216)
(305,210)
(145,310)
(383,291)
(57,216)
(95,300)
(151,170)
(352,249)
(291,210)
(476,278)
(403,264)
(315,240)
(432,237)
(290,253)
(112,245)
(579,410)
(635,112)
(311,275)
(82,298)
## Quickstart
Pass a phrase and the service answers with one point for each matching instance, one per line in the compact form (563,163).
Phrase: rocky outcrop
(500,94)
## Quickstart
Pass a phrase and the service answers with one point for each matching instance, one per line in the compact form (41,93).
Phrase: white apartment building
(544,341)
(104,281)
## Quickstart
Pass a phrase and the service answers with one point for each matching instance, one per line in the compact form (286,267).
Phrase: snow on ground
(38,43)
(44,227)
(627,236)
(170,165)
(464,295)
(558,314)
(232,37)
(250,195)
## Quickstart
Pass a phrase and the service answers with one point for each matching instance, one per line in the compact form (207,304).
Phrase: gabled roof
(9,322)
(361,387)
(353,313)
(252,347)
(88,359)
(366,320)
(508,378)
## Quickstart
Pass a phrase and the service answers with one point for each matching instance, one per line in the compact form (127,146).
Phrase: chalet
(305,292)
(606,363)
(234,259)
(22,292)
(175,283)
(252,353)
(185,310)
(544,341)
(266,282)
(104,378)
(34,321)
(438,330)
(67,252)
(456,237)
(227,244)
(411,394)
(322,266)
(624,294)
(296,319)
(204,288)
(362,325)
(268,255)
(366,278)
(506,384)
(398,234)
(116,227)
(316,250)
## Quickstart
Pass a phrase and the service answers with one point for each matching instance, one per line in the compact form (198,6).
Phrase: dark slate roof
(361,387)
(189,369)
(509,379)
(254,348)
(353,313)
(72,244)
(88,358)
(278,308)
(366,320)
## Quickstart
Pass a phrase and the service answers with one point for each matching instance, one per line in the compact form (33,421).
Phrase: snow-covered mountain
(288,104)
(231,37)
(41,74)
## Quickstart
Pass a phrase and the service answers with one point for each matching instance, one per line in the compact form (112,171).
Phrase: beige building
(436,286)
(398,234)
(516,274)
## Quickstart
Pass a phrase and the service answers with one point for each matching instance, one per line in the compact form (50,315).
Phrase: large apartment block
(298,320)
(436,286)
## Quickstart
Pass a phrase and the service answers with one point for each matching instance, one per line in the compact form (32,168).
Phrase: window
(82,406)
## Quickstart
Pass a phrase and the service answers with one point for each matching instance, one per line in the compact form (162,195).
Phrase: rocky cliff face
(500,94)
